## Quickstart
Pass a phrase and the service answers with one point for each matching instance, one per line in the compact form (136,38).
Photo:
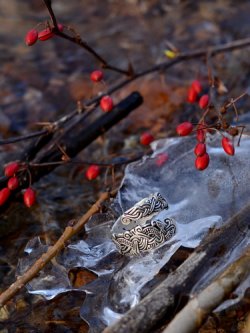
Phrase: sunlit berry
(11,169)
(4,195)
(13,183)
(161,159)
(31,37)
(203,102)
(106,103)
(200,149)
(96,76)
(92,172)
(184,129)
(29,197)
(45,34)
(228,146)
(192,95)
(196,85)
(202,162)
(146,138)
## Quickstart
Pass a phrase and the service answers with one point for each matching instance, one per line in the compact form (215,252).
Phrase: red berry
(184,128)
(29,197)
(201,162)
(11,169)
(146,138)
(203,102)
(45,34)
(4,195)
(228,146)
(106,103)
(13,183)
(200,149)
(200,135)
(196,85)
(192,95)
(60,27)
(96,76)
(92,172)
(161,159)
(31,37)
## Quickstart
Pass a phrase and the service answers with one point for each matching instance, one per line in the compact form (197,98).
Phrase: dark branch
(24,137)
(73,141)
(77,40)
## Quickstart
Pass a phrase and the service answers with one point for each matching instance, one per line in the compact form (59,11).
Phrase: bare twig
(77,40)
(185,56)
(192,316)
(24,137)
(84,162)
(68,233)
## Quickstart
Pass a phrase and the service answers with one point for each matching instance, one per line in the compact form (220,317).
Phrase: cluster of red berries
(33,35)
(194,95)
(184,129)
(202,157)
(10,171)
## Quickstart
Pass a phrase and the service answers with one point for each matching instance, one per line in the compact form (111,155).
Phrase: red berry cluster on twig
(221,125)
(11,170)
(34,35)
(200,151)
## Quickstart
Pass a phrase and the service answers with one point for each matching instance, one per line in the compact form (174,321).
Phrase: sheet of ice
(197,201)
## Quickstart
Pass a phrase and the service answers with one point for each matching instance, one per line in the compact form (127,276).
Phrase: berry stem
(77,40)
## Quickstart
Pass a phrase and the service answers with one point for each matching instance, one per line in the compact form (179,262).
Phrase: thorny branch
(68,233)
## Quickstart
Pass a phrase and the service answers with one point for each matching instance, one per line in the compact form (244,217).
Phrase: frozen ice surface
(197,201)
(52,280)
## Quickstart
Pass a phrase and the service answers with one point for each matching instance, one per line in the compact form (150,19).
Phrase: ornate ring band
(145,231)
(144,209)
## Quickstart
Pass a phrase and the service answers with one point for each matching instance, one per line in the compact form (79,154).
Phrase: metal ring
(143,230)
(144,208)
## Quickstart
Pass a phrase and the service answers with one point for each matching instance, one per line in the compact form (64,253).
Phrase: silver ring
(144,209)
(147,229)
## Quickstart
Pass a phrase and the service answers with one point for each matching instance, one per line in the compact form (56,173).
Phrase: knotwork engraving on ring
(146,207)
(144,226)
(142,239)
